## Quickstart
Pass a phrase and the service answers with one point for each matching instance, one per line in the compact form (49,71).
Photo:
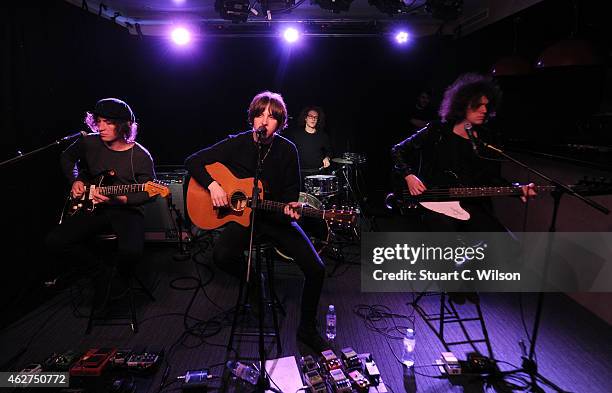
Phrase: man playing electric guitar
(443,151)
(112,147)
(280,177)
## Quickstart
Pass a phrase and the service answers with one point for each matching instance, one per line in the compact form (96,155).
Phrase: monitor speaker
(160,219)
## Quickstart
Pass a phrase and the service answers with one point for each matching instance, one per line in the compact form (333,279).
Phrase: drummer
(312,141)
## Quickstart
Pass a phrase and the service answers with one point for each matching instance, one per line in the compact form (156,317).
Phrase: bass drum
(316,230)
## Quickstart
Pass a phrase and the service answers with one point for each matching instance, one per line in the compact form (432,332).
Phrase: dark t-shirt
(280,176)
(312,148)
(457,158)
(89,157)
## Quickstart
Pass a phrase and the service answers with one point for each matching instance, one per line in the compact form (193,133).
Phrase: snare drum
(321,185)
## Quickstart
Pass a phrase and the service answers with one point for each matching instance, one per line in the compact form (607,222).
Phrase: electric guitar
(85,203)
(446,200)
(240,193)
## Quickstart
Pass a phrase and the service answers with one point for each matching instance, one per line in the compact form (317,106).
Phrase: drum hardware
(321,185)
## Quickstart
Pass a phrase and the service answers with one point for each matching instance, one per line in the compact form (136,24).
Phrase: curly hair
(466,92)
(278,109)
(127,129)
(304,114)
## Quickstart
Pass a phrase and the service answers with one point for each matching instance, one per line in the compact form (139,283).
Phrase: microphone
(470,134)
(75,135)
(261,132)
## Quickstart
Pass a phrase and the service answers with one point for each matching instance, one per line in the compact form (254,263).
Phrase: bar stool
(271,302)
(105,246)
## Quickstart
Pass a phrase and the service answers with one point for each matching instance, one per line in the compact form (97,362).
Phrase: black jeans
(228,255)
(70,242)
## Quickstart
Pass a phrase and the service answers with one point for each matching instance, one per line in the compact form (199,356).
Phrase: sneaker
(311,337)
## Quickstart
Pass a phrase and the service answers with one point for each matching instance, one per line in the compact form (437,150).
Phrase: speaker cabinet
(160,219)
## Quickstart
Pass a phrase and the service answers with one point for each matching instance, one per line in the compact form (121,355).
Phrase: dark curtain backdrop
(59,59)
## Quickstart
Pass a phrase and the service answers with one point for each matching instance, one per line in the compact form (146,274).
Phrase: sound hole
(238,201)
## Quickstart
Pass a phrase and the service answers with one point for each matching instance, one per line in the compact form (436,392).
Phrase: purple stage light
(291,34)
(402,37)
(181,36)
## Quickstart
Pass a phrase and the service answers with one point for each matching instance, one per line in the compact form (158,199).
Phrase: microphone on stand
(470,134)
(75,135)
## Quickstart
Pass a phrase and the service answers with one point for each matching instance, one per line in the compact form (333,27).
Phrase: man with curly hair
(441,154)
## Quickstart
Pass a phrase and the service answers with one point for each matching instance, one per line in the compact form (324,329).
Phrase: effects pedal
(309,364)
(61,362)
(360,382)
(93,362)
(330,360)
(120,358)
(450,363)
(371,370)
(340,382)
(479,364)
(350,358)
(315,382)
(144,361)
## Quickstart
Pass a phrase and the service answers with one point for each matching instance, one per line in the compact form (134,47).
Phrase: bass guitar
(446,200)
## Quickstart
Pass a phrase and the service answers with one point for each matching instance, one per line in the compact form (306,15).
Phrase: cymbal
(340,160)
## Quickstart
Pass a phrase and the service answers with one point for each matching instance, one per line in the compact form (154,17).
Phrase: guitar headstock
(156,187)
(345,216)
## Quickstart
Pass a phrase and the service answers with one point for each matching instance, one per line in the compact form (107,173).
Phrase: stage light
(334,5)
(291,35)
(234,10)
(181,36)
(402,37)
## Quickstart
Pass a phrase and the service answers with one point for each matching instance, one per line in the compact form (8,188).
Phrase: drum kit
(340,190)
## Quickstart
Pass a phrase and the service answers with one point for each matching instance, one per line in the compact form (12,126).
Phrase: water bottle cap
(331,307)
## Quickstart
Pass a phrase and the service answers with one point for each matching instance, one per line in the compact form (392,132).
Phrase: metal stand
(20,156)
(179,222)
(448,314)
(529,365)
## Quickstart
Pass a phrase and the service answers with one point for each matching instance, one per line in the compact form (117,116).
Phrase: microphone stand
(529,365)
(20,156)
(263,383)
(183,254)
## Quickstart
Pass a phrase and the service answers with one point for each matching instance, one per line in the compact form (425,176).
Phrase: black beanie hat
(114,109)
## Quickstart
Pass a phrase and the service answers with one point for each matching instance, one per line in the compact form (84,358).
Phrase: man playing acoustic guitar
(280,178)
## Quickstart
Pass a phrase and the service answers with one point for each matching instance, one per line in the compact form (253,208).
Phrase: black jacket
(426,155)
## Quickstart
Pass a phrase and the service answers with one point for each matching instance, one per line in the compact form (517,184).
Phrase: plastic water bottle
(243,371)
(409,342)
(330,330)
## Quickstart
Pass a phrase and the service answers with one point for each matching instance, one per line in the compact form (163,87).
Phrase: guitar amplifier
(160,220)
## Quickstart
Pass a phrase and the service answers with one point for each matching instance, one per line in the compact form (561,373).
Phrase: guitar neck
(121,189)
(279,207)
(472,192)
